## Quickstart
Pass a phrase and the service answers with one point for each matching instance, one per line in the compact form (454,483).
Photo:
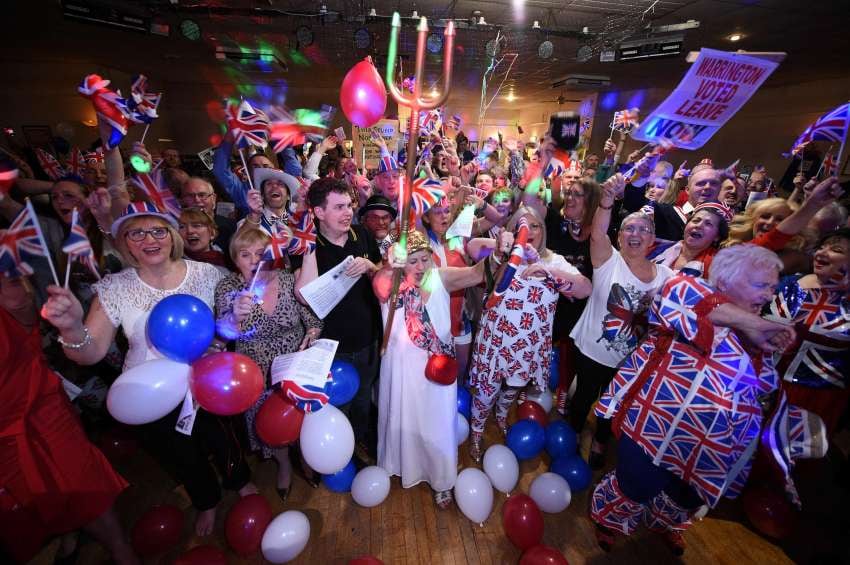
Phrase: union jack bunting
(49,164)
(625,120)
(153,186)
(303,238)
(511,267)
(249,126)
(78,247)
(306,397)
(832,127)
(143,104)
(277,247)
(110,107)
(425,193)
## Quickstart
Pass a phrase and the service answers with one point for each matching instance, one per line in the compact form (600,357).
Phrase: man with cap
(269,202)
(377,216)
(703,186)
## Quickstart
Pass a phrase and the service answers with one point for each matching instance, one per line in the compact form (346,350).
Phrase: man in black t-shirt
(356,321)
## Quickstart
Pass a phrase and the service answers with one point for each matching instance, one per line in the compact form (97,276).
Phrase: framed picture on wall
(38,136)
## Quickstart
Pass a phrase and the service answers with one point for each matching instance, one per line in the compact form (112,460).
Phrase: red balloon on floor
(279,421)
(246,523)
(226,383)
(158,530)
(542,555)
(530,410)
(523,521)
(770,512)
(441,369)
(202,555)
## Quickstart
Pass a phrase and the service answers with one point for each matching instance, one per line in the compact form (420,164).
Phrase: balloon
(501,467)
(181,327)
(464,402)
(117,443)
(341,480)
(202,555)
(441,369)
(286,537)
(574,469)
(526,439)
(561,439)
(462,430)
(327,440)
(474,494)
(345,380)
(542,555)
(278,421)
(522,520)
(362,95)
(370,487)
(541,397)
(246,522)
(769,512)
(158,530)
(554,369)
(551,492)
(365,560)
(226,383)
(147,392)
(530,410)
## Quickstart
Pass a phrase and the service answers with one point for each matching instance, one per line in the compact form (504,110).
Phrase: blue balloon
(181,327)
(341,480)
(561,439)
(464,402)
(526,439)
(574,469)
(345,380)
(554,369)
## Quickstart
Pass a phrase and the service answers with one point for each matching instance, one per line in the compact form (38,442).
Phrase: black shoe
(596,460)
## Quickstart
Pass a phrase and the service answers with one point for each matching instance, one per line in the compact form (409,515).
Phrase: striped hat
(718,208)
(387,163)
(139,209)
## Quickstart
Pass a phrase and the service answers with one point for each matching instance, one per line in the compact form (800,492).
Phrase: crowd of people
(690,311)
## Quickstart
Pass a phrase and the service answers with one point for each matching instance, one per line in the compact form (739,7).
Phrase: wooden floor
(408,529)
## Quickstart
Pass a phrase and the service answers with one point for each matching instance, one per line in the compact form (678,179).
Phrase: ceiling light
(585,30)
(415,14)
(511,96)
(434,92)
(535,25)
(735,37)
(481,21)
(373,12)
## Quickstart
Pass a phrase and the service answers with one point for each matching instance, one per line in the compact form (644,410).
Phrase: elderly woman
(198,230)
(266,321)
(690,403)
(514,341)
(624,284)
(148,241)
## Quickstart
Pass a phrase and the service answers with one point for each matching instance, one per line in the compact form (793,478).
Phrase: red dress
(52,479)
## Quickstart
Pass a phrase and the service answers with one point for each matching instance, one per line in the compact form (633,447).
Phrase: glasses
(573,193)
(140,235)
(202,196)
(643,230)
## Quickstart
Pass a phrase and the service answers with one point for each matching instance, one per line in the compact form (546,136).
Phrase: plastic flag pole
(148,125)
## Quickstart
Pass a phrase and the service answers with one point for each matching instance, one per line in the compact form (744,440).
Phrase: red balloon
(532,411)
(365,560)
(363,96)
(246,522)
(441,369)
(769,512)
(279,421)
(158,530)
(202,555)
(118,443)
(226,383)
(542,555)
(523,521)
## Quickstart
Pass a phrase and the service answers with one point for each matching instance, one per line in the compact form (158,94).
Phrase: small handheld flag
(78,247)
(49,164)
(249,126)
(303,238)
(110,107)
(425,193)
(510,267)
(153,186)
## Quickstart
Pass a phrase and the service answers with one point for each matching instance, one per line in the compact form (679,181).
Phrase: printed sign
(365,149)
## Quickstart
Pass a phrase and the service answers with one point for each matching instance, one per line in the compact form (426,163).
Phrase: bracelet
(104,231)
(606,207)
(75,346)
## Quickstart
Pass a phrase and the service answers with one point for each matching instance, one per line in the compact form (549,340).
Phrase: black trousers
(359,411)
(592,379)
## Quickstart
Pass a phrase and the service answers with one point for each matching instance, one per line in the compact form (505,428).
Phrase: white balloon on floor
(502,467)
(474,494)
(551,492)
(327,440)
(462,429)
(541,397)
(371,486)
(285,537)
(147,392)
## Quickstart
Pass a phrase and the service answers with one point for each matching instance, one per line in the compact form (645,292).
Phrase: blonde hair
(741,226)
(121,240)
(524,210)
(245,237)
(198,215)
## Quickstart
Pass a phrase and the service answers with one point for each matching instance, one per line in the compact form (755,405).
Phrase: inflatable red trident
(416,103)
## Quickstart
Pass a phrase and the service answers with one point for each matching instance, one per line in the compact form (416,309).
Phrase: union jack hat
(387,163)
(718,208)
(138,209)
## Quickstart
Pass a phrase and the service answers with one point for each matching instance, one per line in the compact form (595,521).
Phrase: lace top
(127,302)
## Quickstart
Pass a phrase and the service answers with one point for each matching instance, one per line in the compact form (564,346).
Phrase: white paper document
(326,291)
(462,226)
(186,419)
(308,367)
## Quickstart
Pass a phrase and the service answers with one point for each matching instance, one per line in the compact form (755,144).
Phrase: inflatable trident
(416,103)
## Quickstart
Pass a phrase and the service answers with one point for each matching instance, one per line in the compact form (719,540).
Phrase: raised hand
(62,309)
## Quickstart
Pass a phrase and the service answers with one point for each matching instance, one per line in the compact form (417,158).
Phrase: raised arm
(825,192)
(600,246)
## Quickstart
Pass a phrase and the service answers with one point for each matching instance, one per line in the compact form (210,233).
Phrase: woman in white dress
(416,416)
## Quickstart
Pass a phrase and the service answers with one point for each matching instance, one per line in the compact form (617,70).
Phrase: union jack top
(303,239)
(829,127)
(153,186)
(249,126)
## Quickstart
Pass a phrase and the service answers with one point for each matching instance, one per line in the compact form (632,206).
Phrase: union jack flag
(526,321)
(303,239)
(49,164)
(511,267)
(110,107)
(513,304)
(290,129)
(557,165)
(20,241)
(430,121)
(277,247)
(142,103)
(425,193)
(153,186)
(622,320)
(76,162)
(249,126)
(78,247)
(832,127)
(625,120)
(829,166)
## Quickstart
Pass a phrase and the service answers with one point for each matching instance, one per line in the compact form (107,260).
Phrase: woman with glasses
(149,242)
(624,284)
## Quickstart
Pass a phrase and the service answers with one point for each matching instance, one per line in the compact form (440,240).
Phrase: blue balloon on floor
(574,469)
(554,369)
(181,327)
(526,439)
(561,439)
(341,480)
(345,380)
(464,402)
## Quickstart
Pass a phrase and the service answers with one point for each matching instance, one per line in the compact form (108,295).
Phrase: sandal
(604,538)
(475,446)
(443,499)
(503,425)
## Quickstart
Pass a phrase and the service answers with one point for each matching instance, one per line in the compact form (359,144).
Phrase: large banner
(716,86)
(364,148)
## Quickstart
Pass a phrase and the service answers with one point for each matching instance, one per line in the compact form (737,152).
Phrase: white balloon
(502,467)
(551,492)
(327,440)
(371,486)
(286,536)
(149,391)
(541,397)
(474,494)
(462,429)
